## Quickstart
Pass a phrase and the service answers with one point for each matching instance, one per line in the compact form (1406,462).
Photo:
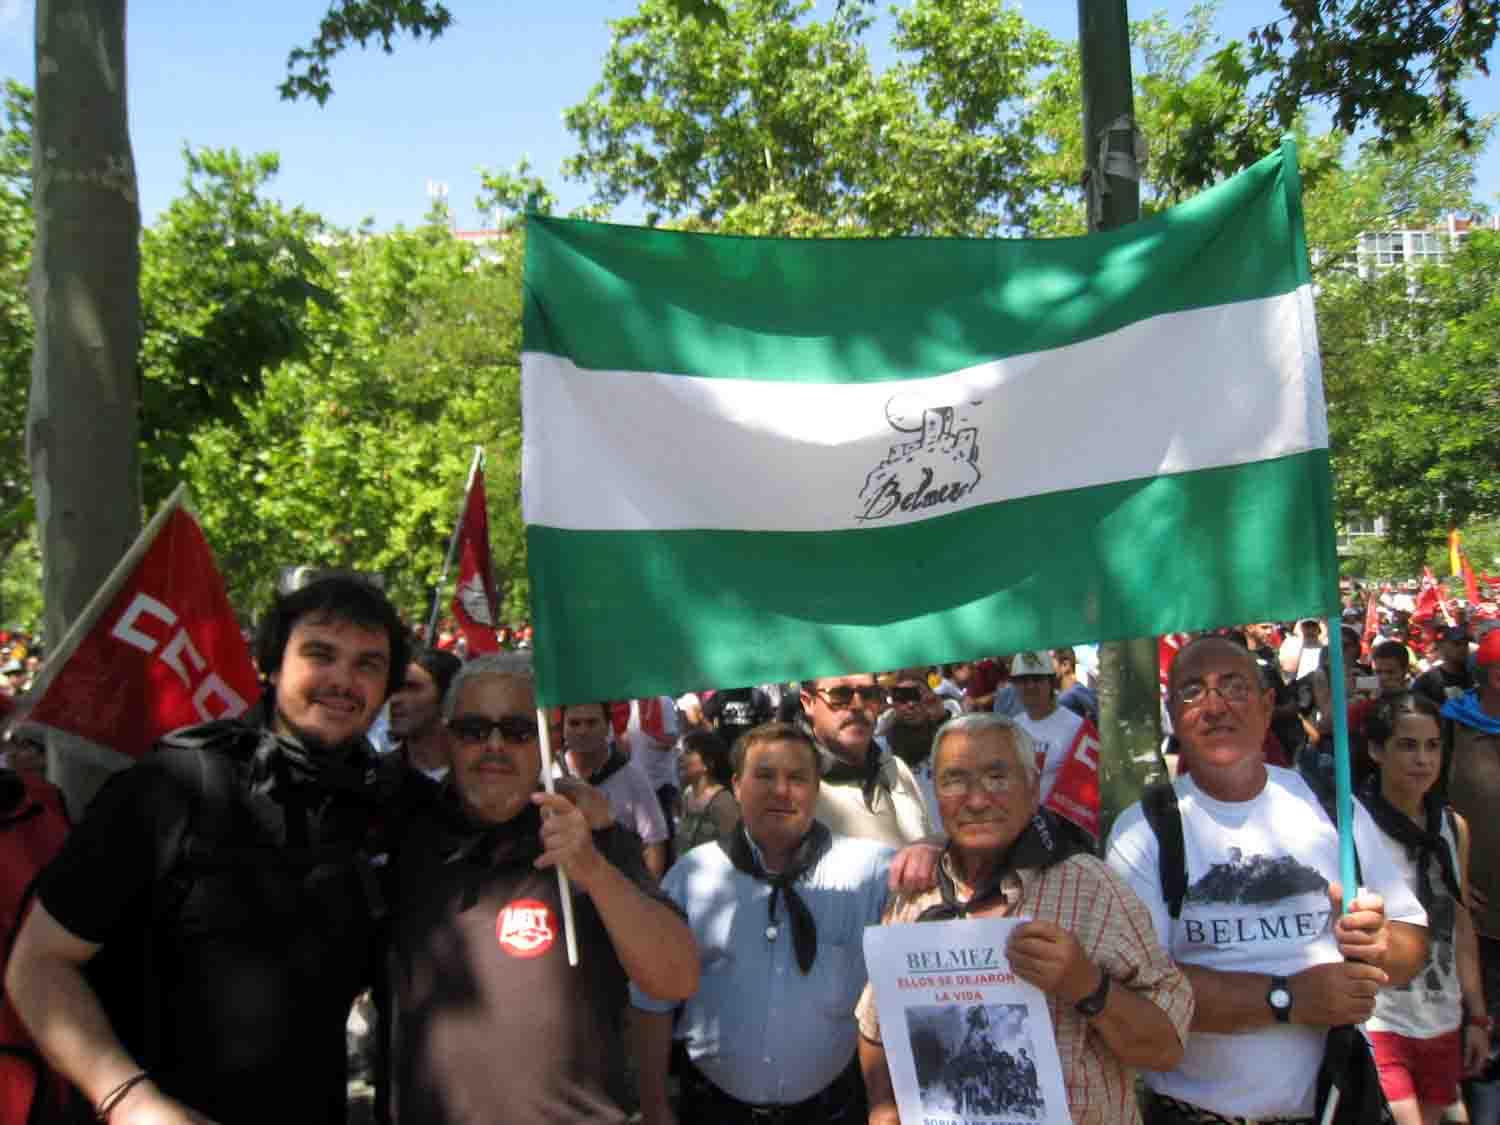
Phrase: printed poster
(967,1041)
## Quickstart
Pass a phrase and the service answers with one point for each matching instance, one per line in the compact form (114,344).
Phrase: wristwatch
(1279,998)
(1092,1004)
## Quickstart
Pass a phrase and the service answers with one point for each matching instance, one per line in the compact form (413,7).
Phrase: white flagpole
(458,527)
(564,887)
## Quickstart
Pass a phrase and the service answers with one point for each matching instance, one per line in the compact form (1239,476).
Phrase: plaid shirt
(1089,900)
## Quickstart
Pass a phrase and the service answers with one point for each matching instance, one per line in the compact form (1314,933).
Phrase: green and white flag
(750,460)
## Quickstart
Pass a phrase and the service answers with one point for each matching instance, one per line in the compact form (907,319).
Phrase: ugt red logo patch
(525,928)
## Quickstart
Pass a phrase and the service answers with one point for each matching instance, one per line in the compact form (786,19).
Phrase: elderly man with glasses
(1116,1001)
(866,791)
(1254,912)
(489,1022)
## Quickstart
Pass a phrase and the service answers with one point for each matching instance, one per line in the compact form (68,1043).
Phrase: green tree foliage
(351,22)
(777,122)
(1402,429)
(1386,187)
(355,453)
(16,508)
(1412,361)
(363,22)
(228,278)
(1186,100)
(1390,64)
(21,586)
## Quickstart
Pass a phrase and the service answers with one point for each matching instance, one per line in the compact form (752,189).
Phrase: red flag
(159,648)
(1471,583)
(1372,625)
(1075,793)
(1429,601)
(474,601)
(1166,652)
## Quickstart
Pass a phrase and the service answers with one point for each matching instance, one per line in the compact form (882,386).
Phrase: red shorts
(1425,1069)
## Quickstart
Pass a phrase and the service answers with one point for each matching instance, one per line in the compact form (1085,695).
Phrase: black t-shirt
(490,1024)
(1439,685)
(735,710)
(225,973)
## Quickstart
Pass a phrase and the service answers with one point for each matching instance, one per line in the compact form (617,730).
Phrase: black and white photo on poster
(967,1042)
(976,1063)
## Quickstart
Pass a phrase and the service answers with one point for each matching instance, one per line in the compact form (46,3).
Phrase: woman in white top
(1422,1041)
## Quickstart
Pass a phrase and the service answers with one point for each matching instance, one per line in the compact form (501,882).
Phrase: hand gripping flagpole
(564,887)
(1343,791)
(458,527)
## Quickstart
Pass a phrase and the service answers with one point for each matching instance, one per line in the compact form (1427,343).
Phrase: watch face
(1280,998)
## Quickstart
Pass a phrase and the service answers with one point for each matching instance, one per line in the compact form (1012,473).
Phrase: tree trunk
(1129,695)
(82,420)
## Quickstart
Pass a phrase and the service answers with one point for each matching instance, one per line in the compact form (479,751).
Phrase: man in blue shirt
(778,909)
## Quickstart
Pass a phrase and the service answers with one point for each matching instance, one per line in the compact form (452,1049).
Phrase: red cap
(1489,648)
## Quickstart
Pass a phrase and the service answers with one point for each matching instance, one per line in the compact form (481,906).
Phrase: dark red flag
(474,602)
(164,651)
(1429,599)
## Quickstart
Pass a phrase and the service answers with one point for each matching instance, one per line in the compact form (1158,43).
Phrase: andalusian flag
(750,460)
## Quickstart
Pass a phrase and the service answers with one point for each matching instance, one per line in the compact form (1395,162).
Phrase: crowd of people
(383,820)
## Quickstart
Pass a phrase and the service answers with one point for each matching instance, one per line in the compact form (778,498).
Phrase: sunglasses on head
(513,729)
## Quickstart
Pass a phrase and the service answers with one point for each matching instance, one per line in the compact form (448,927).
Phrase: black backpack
(223,843)
(1348,1077)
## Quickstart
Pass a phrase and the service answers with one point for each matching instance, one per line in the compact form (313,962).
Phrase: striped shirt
(1086,898)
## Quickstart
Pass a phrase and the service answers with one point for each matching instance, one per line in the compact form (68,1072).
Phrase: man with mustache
(866,790)
(195,948)
(1256,922)
(490,1023)
(1116,1002)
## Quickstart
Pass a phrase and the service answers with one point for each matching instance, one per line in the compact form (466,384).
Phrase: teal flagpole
(1344,788)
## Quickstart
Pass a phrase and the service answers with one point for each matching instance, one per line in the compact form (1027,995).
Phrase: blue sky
(493,89)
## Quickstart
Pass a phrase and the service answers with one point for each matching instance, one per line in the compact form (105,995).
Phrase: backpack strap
(1159,804)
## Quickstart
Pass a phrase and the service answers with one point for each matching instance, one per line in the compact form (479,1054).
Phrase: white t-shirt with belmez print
(1256,902)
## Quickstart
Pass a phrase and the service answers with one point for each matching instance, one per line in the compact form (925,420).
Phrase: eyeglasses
(841,696)
(515,730)
(904,695)
(993,784)
(1231,689)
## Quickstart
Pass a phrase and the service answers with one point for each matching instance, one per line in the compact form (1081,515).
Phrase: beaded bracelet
(117,1095)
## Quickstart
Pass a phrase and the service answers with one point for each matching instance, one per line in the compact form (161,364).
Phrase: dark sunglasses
(905,695)
(842,695)
(513,729)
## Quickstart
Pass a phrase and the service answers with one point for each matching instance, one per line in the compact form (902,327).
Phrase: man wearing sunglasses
(489,1021)
(866,791)
(1257,926)
(914,713)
